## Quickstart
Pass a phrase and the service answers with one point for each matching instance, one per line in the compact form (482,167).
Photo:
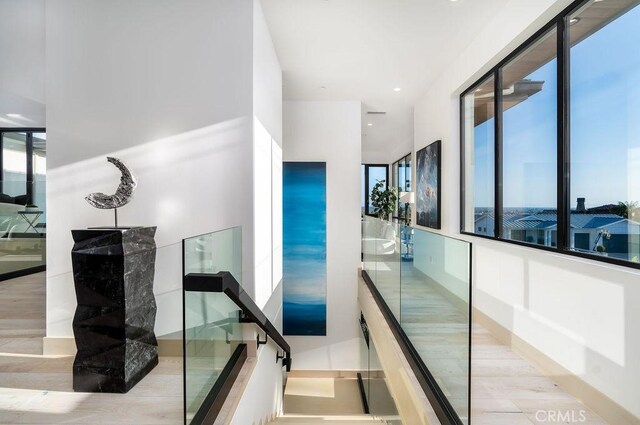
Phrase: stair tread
(329,419)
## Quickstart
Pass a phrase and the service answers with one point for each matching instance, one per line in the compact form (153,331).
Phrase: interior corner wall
(267,160)
(166,86)
(579,313)
(331,132)
(22,67)
(267,77)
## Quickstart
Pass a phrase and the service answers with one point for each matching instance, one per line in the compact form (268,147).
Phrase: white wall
(262,398)
(22,67)
(166,86)
(330,132)
(580,313)
(267,160)
(267,77)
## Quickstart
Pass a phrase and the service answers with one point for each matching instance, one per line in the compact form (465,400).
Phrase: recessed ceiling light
(323,87)
(14,115)
(574,21)
(370,124)
(397,89)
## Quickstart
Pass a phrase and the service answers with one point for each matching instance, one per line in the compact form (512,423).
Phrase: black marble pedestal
(113,325)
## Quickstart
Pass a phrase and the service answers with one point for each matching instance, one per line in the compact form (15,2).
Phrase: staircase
(337,420)
(309,401)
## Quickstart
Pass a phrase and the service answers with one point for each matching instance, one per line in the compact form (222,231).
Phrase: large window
(479,133)
(401,179)
(22,201)
(372,174)
(551,138)
(605,130)
(528,102)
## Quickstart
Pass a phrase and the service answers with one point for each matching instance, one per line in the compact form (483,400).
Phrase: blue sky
(605,127)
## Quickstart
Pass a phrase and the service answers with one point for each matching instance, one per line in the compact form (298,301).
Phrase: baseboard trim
(595,400)
(66,346)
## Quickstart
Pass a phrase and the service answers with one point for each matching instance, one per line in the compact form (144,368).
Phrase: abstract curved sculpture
(128,183)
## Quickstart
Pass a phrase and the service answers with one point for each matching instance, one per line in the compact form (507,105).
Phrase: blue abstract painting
(304,211)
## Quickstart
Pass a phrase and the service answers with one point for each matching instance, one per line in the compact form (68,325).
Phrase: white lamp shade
(408,197)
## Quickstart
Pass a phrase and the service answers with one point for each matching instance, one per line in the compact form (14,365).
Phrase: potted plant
(31,207)
(602,250)
(383,200)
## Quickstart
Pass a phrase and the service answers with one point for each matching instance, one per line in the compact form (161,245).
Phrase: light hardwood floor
(37,389)
(22,314)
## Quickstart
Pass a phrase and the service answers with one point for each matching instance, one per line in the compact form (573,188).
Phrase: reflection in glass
(22,201)
(529,102)
(394,183)
(381,258)
(425,281)
(215,252)
(39,161)
(479,156)
(381,404)
(14,165)
(605,130)
(212,333)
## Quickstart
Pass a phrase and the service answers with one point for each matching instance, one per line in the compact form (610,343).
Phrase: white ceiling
(363,49)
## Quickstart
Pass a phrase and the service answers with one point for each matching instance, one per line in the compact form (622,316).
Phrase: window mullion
(498,231)
(564,212)
(29,159)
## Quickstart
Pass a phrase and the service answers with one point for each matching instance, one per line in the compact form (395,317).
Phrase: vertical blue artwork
(304,197)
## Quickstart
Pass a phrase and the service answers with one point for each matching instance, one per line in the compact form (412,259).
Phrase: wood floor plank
(37,389)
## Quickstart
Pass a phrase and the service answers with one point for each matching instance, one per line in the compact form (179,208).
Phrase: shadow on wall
(189,184)
(573,311)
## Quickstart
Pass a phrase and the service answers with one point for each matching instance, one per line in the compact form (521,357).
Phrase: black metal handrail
(226,283)
(439,401)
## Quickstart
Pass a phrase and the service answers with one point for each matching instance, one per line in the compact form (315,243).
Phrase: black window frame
(397,163)
(29,155)
(563,51)
(366,184)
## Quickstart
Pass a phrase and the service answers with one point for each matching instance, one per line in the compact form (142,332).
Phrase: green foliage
(600,248)
(383,200)
(630,210)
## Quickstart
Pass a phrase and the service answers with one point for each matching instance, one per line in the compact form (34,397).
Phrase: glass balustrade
(212,321)
(215,252)
(424,278)
(22,226)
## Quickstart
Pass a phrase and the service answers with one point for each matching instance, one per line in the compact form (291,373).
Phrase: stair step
(335,420)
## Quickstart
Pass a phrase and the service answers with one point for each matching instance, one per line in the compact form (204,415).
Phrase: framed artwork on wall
(428,175)
(304,210)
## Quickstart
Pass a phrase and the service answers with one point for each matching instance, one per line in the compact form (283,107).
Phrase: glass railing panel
(215,252)
(425,281)
(435,309)
(369,250)
(212,333)
(22,227)
(381,404)
(381,250)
